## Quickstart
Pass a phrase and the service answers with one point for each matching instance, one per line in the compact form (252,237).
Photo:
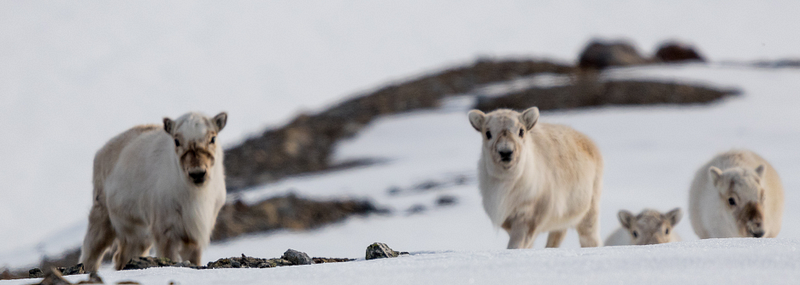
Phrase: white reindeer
(736,194)
(153,184)
(537,177)
(648,227)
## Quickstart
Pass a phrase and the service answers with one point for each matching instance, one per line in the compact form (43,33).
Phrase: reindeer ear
(220,120)
(674,216)
(625,218)
(530,117)
(760,171)
(476,118)
(714,174)
(169,125)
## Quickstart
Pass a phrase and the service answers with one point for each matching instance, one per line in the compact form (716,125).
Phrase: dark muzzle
(198,177)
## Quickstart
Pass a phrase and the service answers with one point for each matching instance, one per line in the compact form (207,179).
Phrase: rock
(394,190)
(599,55)
(35,273)
(427,185)
(330,260)
(415,209)
(381,250)
(297,257)
(53,277)
(446,200)
(128,282)
(72,270)
(147,262)
(93,279)
(676,51)
(593,93)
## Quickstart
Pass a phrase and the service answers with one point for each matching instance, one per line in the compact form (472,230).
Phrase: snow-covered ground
(73,74)
(716,261)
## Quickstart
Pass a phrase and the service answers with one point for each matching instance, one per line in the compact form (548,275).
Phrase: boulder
(676,51)
(381,250)
(297,257)
(599,55)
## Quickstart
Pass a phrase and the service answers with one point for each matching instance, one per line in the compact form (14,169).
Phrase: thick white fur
(709,210)
(650,225)
(553,182)
(143,194)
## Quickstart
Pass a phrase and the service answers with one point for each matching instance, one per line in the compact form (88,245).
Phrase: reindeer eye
(521,132)
(213,139)
(635,234)
(177,143)
(666,231)
(488,135)
(731,201)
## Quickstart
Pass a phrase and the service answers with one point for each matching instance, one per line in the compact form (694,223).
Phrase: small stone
(415,209)
(235,264)
(380,250)
(297,257)
(394,190)
(446,200)
(35,273)
(72,270)
(427,185)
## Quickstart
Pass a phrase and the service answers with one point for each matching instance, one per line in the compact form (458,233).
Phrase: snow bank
(714,261)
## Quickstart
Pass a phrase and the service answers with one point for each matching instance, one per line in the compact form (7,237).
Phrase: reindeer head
(195,141)
(504,133)
(742,196)
(650,226)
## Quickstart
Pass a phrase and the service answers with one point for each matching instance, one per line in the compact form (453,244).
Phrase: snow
(74,74)
(714,261)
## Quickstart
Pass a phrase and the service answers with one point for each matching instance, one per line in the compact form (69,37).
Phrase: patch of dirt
(594,93)
(286,212)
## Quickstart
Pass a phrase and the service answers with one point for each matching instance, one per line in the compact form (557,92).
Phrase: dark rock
(415,209)
(394,190)
(287,212)
(381,250)
(53,277)
(446,200)
(461,180)
(427,185)
(147,262)
(247,262)
(330,260)
(297,257)
(782,63)
(72,270)
(594,93)
(35,273)
(675,51)
(600,55)
(93,279)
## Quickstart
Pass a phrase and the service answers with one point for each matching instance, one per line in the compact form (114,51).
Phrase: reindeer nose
(758,234)
(505,155)
(198,176)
